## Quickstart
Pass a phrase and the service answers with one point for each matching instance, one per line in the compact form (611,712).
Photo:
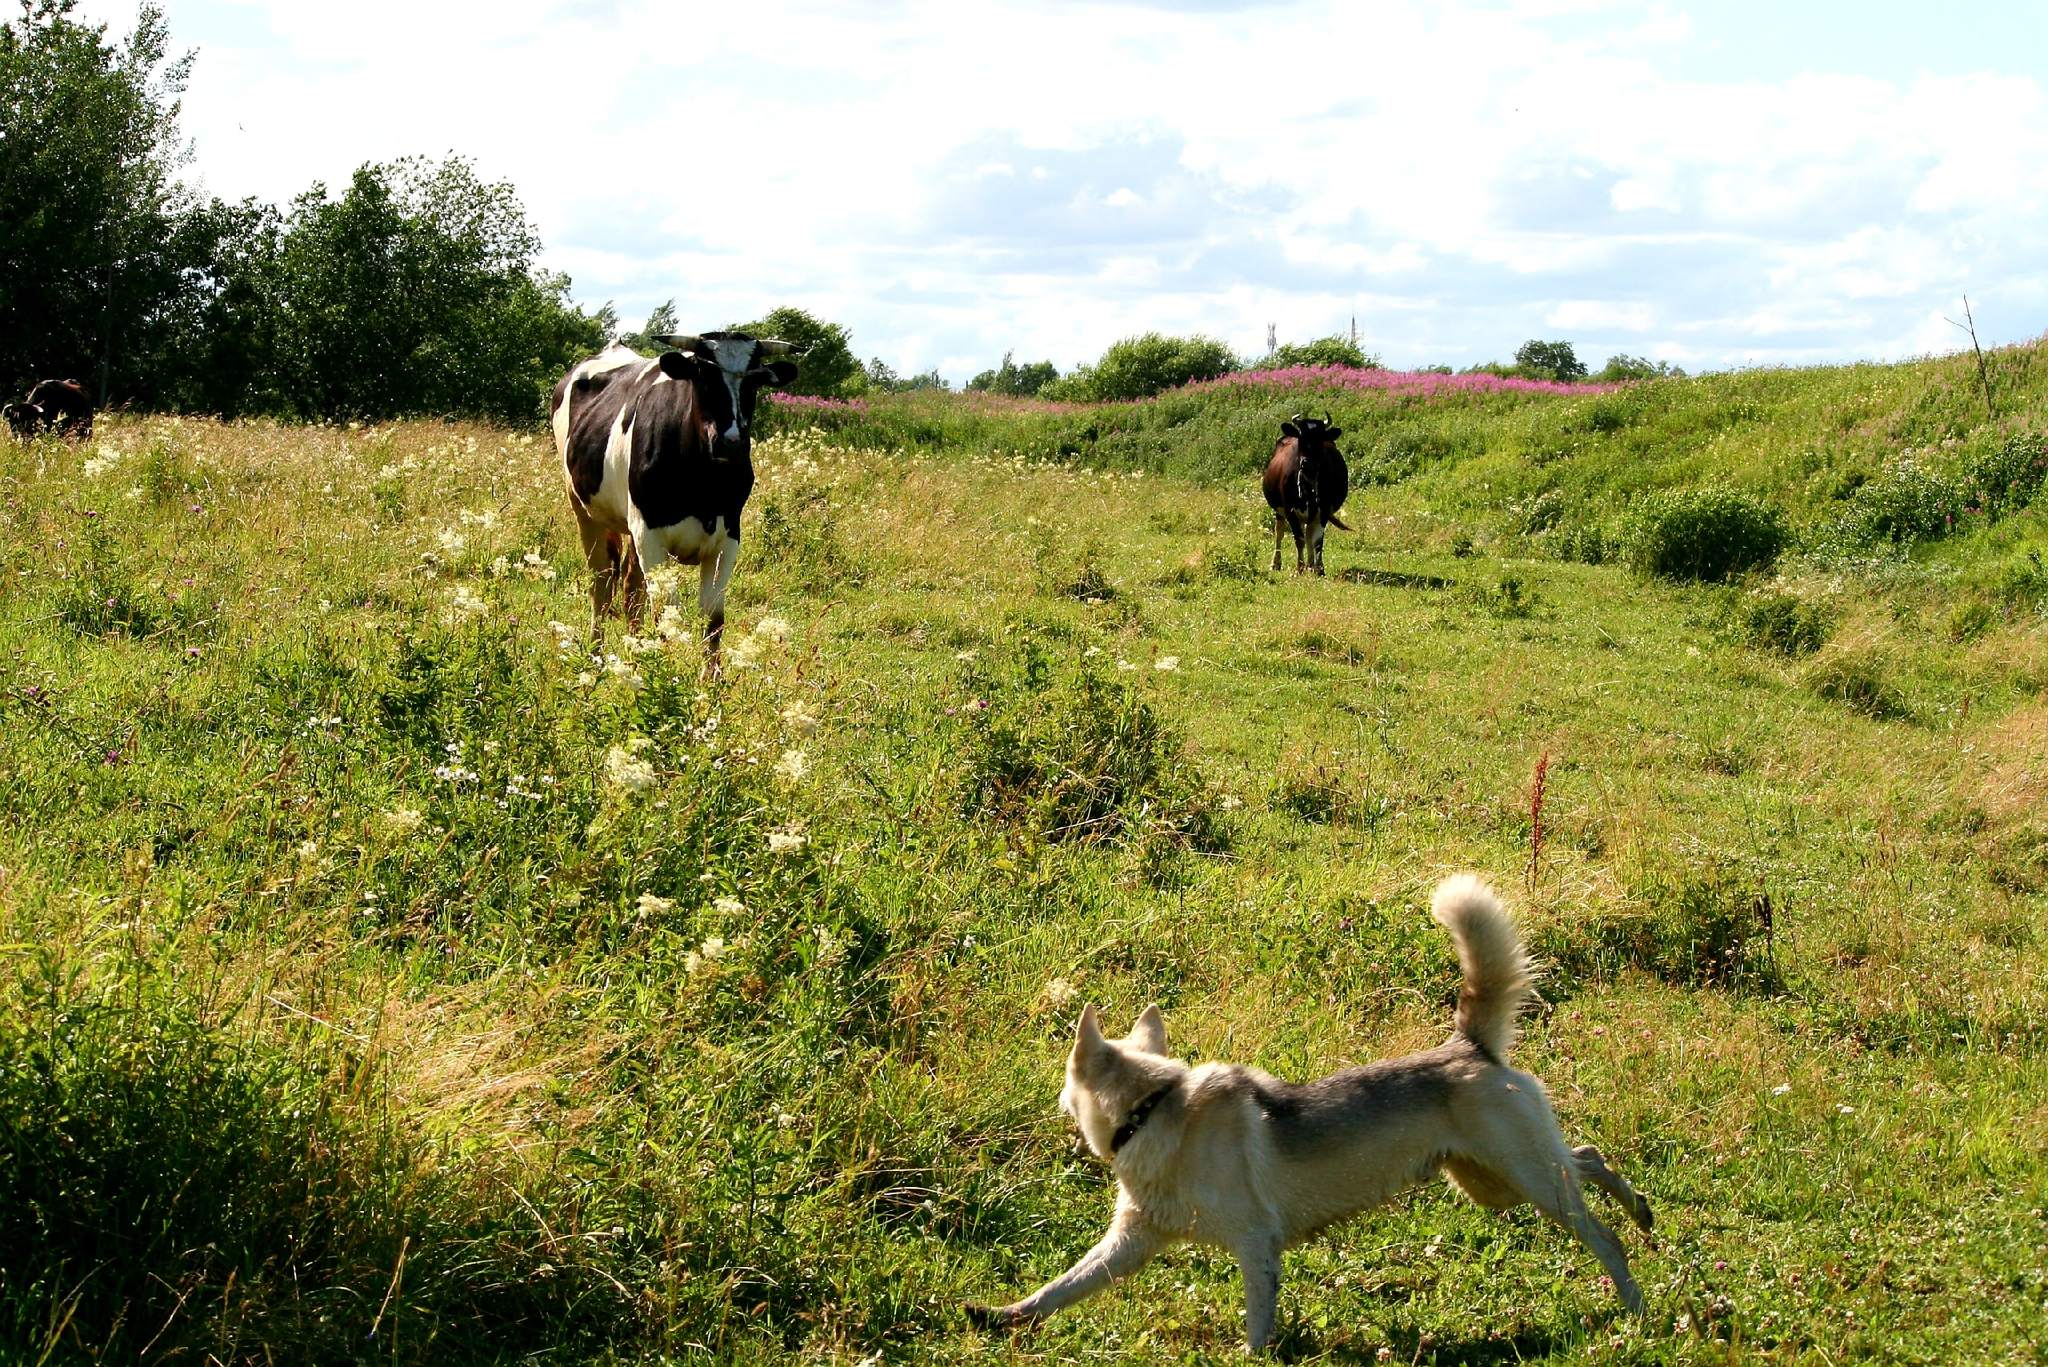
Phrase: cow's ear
(1335,433)
(678,365)
(779,373)
(1288,429)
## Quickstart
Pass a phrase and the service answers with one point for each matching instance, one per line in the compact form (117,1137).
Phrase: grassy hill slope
(386,977)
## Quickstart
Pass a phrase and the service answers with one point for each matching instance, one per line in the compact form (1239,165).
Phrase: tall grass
(387,976)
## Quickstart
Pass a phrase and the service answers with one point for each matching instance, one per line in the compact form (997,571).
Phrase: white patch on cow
(688,542)
(608,506)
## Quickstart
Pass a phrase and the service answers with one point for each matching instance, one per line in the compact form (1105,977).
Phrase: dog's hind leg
(1551,1182)
(1258,1256)
(1130,1243)
(1593,1168)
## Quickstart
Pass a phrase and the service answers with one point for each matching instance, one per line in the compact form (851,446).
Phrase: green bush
(1078,755)
(1704,534)
(1783,623)
(2005,480)
(1907,503)
(1859,679)
(1698,929)
(1139,367)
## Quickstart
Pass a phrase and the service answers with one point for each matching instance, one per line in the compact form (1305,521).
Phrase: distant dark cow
(23,419)
(658,454)
(1306,483)
(62,407)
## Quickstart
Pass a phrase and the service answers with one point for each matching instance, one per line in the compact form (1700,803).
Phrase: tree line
(415,289)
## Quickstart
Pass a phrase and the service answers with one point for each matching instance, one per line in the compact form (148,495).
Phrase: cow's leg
(1279,539)
(601,554)
(1317,529)
(713,575)
(1294,523)
(635,566)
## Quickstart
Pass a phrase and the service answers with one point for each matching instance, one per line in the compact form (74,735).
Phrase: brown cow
(66,409)
(1306,483)
(59,406)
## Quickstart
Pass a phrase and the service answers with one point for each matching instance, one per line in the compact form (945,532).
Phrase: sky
(1756,182)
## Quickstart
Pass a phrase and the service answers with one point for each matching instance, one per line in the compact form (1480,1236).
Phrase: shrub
(2006,480)
(1139,367)
(1589,543)
(1550,361)
(1078,755)
(1704,534)
(1907,503)
(1783,623)
(1858,679)
(1322,351)
(1702,929)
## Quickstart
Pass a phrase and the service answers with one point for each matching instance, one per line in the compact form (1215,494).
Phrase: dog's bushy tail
(1498,975)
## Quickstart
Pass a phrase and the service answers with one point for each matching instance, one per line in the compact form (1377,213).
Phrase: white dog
(1231,1156)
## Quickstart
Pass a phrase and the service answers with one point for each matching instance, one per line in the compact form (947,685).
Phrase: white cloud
(954,181)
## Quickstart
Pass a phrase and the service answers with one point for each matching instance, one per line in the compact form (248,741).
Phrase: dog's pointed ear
(1088,1033)
(1149,1033)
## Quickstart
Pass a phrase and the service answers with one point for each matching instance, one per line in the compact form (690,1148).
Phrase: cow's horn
(681,341)
(770,347)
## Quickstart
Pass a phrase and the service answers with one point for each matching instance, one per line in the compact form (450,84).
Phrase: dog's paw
(991,1317)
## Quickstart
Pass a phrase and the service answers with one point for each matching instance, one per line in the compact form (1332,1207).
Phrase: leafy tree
(1016,380)
(88,149)
(1624,367)
(1550,361)
(660,323)
(1333,350)
(827,366)
(416,292)
(1138,367)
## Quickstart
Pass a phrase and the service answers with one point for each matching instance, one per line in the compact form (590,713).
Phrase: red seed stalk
(1536,788)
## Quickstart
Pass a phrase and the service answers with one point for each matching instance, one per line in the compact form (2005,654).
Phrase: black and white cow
(1306,483)
(658,455)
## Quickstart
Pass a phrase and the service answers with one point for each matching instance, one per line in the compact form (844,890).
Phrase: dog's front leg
(1130,1243)
(1258,1256)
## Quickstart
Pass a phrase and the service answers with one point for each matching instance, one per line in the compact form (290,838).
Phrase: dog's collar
(1135,1121)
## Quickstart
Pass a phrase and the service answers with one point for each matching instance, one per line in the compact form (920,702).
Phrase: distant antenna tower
(1354,329)
(1272,338)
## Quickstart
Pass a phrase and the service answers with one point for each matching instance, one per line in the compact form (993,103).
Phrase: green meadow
(389,978)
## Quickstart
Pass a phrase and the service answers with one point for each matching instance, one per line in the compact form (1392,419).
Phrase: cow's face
(728,373)
(1311,431)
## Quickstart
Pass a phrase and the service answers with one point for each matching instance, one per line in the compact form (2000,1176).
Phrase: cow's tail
(1336,521)
(1499,978)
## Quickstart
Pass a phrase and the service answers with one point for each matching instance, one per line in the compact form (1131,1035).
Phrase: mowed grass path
(388,978)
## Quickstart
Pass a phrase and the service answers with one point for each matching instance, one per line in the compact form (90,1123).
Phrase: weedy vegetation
(388,978)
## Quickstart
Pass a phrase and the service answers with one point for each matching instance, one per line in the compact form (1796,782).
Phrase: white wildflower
(772,629)
(670,625)
(786,842)
(402,820)
(624,769)
(1781,1089)
(451,541)
(793,765)
(1057,994)
(650,905)
(729,906)
(465,605)
(1166,664)
(799,717)
(622,670)
(966,655)
(1125,666)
